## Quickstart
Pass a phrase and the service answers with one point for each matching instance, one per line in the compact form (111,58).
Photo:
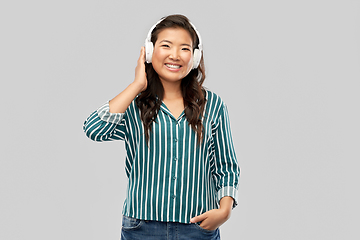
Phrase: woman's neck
(172,90)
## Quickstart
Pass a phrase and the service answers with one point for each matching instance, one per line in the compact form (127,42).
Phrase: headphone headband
(148,37)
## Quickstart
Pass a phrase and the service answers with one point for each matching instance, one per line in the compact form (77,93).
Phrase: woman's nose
(174,55)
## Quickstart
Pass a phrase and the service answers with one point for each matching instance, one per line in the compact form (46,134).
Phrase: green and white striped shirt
(173,179)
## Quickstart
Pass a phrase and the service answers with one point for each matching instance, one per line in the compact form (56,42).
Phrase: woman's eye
(186,49)
(165,45)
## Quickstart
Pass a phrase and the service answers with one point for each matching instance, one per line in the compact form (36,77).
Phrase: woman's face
(173,56)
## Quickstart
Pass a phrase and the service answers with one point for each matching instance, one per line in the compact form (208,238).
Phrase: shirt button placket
(176,139)
(175,157)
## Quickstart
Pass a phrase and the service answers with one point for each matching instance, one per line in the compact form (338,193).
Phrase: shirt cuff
(105,115)
(230,192)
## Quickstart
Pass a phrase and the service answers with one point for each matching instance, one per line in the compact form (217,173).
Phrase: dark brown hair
(193,93)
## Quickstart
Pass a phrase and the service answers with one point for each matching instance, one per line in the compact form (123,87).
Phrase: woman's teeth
(173,66)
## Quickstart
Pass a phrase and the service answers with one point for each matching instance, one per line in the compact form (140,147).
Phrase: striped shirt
(173,179)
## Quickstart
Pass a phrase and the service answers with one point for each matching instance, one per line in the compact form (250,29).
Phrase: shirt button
(175,139)
(174,196)
(175,159)
(174,178)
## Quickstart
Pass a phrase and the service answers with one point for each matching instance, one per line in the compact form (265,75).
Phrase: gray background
(289,72)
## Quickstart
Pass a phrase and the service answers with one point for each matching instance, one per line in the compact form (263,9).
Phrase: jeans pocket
(129,223)
(197,225)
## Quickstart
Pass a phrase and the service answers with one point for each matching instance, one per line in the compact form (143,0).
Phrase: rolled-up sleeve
(102,125)
(227,170)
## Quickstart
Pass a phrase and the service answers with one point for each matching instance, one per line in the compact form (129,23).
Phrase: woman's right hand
(121,102)
(140,73)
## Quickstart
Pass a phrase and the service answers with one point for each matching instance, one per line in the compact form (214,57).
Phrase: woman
(180,160)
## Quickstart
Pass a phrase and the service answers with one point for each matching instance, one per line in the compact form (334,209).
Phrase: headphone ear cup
(149,48)
(196,58)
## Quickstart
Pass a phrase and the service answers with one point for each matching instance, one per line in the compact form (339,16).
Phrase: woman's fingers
(140,74)
(142,55)
(199,218)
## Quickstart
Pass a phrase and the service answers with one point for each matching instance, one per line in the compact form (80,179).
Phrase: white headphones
(149,47)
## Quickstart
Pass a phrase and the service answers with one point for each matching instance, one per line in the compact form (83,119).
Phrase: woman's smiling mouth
(172,67)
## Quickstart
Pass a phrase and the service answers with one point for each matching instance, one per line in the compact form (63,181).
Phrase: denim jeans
(135,229)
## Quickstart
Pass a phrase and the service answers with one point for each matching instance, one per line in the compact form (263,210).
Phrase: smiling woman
(180,159)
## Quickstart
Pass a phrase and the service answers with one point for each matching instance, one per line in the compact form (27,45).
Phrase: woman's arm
(108,122)
(122,101)
(226,172)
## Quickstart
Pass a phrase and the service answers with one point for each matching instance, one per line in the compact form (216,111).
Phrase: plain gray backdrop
(289,72)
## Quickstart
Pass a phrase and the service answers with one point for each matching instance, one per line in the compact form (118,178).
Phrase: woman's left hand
(212,219)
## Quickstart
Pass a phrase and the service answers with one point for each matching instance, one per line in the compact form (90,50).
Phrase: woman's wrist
(137,86)
(226,204)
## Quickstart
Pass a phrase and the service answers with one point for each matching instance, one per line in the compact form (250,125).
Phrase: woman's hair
(149,101)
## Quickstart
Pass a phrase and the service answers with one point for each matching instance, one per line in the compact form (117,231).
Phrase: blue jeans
(135,229)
